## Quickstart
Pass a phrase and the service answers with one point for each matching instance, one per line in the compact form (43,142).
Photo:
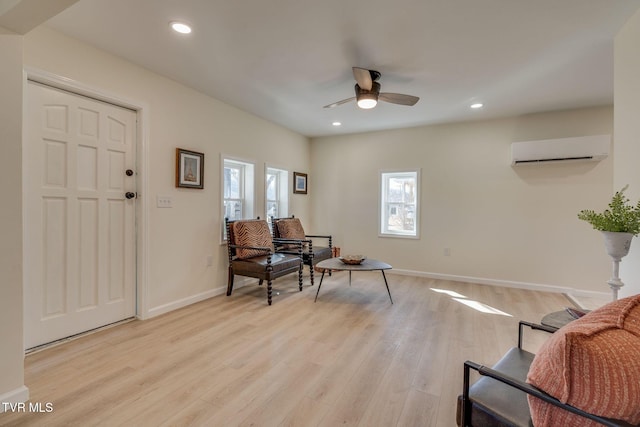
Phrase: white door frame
(142,168)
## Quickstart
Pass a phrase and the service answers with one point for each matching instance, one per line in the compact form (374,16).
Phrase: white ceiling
(283,60)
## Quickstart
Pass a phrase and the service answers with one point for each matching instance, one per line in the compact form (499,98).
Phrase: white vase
(617,246)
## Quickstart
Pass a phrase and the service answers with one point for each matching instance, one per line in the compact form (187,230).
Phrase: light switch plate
(164,202)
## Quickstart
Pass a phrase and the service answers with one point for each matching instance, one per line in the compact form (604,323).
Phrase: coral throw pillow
(592,363)
(252,233)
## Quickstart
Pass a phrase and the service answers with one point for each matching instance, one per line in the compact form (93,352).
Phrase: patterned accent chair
(289,232)
(252,254)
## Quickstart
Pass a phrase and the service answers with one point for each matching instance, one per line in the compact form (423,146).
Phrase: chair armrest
(322,236)
(278,241)
(527,388)
(283,240)
(533,326)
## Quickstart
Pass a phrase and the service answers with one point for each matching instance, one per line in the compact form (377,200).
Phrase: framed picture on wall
(299,183)
(189,169)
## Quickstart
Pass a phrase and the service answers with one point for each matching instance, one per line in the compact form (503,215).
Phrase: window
(399,203)
(277,193)
(237,190)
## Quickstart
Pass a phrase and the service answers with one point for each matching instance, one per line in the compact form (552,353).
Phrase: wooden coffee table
(367,265)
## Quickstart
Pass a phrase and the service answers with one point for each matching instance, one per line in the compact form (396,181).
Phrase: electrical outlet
(447,251)
(164,202)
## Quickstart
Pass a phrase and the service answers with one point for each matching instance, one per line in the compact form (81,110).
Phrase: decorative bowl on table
(352,259)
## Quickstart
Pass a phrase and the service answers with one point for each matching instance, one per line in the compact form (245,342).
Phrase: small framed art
(189,169)
(299,183)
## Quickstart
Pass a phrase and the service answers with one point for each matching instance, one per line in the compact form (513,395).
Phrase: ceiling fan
(368,91)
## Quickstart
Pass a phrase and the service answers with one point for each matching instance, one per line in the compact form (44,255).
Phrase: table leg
(349,277)
(387,285)
(318,291)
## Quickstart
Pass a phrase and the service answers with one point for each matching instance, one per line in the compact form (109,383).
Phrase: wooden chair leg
(269,291)
(300,276)
(311,273)
(260,282)
(230,282)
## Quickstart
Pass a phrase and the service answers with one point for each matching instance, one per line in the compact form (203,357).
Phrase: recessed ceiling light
(180,27)
(336,124)
(477,105)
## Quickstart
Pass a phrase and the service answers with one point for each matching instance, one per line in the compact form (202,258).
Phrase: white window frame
(247,188)
(385,209)
(282,191)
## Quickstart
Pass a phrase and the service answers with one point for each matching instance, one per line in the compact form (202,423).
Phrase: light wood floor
(352,358)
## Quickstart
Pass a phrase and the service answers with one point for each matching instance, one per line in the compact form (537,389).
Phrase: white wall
(501,223)
(627,135)
(180,238)
(11,344)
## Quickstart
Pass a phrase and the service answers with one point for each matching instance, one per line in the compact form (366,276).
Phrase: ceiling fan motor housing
(375,91)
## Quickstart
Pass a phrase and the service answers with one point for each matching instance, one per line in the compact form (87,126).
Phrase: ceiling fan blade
(344,101)
(398,98)
(363,77)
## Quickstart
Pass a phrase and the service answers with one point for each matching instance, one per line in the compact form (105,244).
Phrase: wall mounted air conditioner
(589,148)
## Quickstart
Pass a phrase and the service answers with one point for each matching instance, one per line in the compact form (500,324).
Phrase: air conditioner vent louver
(559,159)
(583,148)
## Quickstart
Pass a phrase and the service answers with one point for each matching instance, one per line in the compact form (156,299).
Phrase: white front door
(79,241)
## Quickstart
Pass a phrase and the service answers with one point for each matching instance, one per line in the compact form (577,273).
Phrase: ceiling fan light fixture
(367,101)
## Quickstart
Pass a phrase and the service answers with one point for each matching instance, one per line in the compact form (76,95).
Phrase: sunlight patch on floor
(484,308)
(450,293)
(476,305)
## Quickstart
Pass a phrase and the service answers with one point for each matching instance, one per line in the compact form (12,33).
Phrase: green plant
(621,216)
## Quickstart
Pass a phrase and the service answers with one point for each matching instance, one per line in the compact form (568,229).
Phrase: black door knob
(130,195)
(129,172)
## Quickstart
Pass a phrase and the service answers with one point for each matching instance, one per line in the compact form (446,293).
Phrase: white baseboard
(571,293)
(579,293)
(18,395)
(174,305)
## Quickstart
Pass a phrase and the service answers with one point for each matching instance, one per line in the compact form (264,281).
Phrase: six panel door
(79,241)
